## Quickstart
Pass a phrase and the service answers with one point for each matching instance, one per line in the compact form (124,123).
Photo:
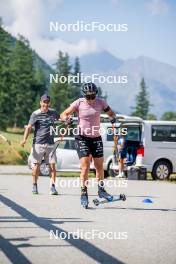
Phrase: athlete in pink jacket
(89,141)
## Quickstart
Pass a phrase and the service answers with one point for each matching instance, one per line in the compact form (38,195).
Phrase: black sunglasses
(90,97)
(46,102)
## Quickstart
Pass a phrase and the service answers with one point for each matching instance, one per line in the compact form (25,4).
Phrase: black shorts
(86,146)
(122,154)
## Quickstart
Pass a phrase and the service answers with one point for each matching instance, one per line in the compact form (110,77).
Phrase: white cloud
(48,49)
(31,19)
(157,7)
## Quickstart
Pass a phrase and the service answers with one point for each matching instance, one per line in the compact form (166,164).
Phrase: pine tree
(6,100)
(101,95)
(23,82)
(61,92)
(151,117)
(169,116)
(39,87)
(142,102)
(76,87)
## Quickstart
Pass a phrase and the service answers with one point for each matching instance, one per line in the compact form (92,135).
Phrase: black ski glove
(113,120)
(69,121)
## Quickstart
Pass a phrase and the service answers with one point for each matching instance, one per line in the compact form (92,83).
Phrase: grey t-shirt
(42,122)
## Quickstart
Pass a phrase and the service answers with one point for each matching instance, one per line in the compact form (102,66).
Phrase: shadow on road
(142,196)
(84,246)
(140,209)
(12,252)
(42,218)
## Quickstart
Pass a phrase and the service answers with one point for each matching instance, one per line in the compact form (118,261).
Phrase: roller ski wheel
(96,202)
(122,197)
(84,198)
(84,201)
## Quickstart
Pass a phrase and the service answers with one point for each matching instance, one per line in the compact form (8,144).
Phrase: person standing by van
(122,153)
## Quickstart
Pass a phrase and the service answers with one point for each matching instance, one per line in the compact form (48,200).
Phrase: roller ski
(84,197)
(115,198)
(103,194)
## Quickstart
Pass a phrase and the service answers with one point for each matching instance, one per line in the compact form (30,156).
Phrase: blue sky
(151,26)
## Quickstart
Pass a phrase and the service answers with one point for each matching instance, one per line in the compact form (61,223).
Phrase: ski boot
(102,193)
(34,188)
(53,190)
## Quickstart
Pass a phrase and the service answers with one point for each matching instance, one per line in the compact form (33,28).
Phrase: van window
(104,119)
(61,144)
(164,133)
(67,144)
(133,134)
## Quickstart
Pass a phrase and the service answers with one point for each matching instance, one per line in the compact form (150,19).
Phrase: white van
(134,126)
(159,139)
(154,141)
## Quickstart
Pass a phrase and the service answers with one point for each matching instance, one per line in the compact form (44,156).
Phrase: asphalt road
(45,229)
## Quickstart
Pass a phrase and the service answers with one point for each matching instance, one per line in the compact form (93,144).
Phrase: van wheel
(111,172)
(44,169)
(161,170)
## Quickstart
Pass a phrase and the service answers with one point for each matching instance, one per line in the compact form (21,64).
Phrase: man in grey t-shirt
(43,142)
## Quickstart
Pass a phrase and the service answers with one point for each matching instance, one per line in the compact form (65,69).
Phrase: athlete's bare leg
(35,172)
(85,165)
(98,162)
(52,167)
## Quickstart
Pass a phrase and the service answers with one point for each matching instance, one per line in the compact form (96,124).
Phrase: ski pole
(115,143)
(12,147)
(59,141)
(114,136)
